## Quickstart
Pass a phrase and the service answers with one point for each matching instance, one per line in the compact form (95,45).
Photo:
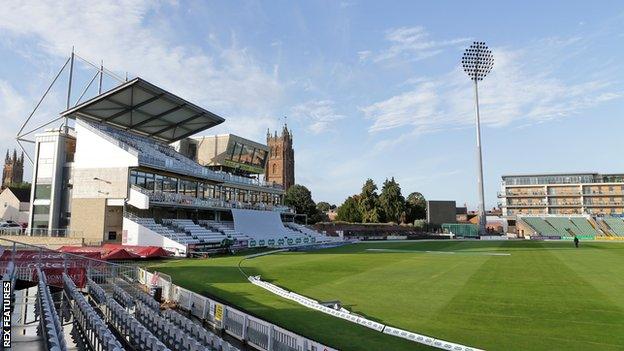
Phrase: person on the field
(576,241)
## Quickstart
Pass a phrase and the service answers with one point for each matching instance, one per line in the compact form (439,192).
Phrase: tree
(300,198)
(391,202)
(416,207)
(323,206)
(369,203)
(349,211)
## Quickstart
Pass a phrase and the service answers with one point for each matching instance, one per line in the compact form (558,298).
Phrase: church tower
(13,172)
(281,164)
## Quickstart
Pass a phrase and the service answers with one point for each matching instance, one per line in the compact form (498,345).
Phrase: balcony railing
(521,194)
(41,232)
(181,199)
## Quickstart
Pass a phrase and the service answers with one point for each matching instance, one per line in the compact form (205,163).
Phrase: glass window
(246,154)
(41,209)
(158,183)
(236,152)
(259,157)
(43,191)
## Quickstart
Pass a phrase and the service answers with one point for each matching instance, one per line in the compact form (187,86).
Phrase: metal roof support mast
(69,86)
(477,62)
(21,136)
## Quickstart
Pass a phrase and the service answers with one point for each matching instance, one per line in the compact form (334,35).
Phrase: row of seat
(151,224)
(89,321)
(154,153)
(616,225)
(225,227)
(195,231)
(168,332)
(49,318)
(139,336)
(96,292)
(138,294)
(193,329)
(122,296)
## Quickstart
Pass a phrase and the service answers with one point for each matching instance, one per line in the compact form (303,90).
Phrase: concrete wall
(136,234)
(88,217)
(109,183)
(47,241)
(95,151)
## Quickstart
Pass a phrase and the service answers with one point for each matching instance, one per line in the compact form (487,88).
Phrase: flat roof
(143,108)
(549,174)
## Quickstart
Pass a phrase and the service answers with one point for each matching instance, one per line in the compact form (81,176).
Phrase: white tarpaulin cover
(259,224)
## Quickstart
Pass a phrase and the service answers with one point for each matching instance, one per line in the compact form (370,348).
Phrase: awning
(142,251)
(119,254)
(143,108)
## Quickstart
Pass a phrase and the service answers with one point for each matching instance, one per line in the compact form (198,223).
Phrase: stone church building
(281,164)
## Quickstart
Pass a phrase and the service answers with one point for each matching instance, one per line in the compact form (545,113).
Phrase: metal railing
(263,335)
(188,200)
(41,232)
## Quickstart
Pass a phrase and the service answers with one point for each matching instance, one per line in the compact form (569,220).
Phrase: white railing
(261,334)
(350,317)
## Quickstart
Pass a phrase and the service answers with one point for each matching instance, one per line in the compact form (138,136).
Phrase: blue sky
(370,88)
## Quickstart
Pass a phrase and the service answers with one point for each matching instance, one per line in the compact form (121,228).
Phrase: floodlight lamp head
(477,61)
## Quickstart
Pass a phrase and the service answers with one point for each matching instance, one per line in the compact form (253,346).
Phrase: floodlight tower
(477,62)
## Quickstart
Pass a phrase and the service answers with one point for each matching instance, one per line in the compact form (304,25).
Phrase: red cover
(119,254)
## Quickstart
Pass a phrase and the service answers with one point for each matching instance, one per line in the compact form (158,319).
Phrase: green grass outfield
(543,296)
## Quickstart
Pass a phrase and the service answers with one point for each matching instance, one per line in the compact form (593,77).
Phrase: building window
(43,191)
(41,209)
(274,168)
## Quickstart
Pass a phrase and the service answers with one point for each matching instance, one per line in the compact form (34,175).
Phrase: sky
(370,89)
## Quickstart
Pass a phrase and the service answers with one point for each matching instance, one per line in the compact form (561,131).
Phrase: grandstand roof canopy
(141,107)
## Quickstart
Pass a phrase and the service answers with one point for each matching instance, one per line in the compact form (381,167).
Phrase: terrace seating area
(160,155)
(89,321)
(585,227)
(50,323)
(561,226)
(316,236)
(132,330)
(181,237)
(200,233)
(224,227)
(615,224)
(213,232)
(541,227)
(138,321)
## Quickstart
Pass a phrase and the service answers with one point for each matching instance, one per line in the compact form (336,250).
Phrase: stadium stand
(168,232)
(89,321)
(224,227)
(51,325)
(615,224)
(159,155)
(541,226)
(133,331)
(563,225)
(195,231)
(584,226)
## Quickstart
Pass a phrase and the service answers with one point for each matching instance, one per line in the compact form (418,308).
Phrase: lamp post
(477,62)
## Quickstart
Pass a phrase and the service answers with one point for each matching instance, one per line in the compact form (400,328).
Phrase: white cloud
(518,89)
(129,37)
(412,44)
(319,115)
